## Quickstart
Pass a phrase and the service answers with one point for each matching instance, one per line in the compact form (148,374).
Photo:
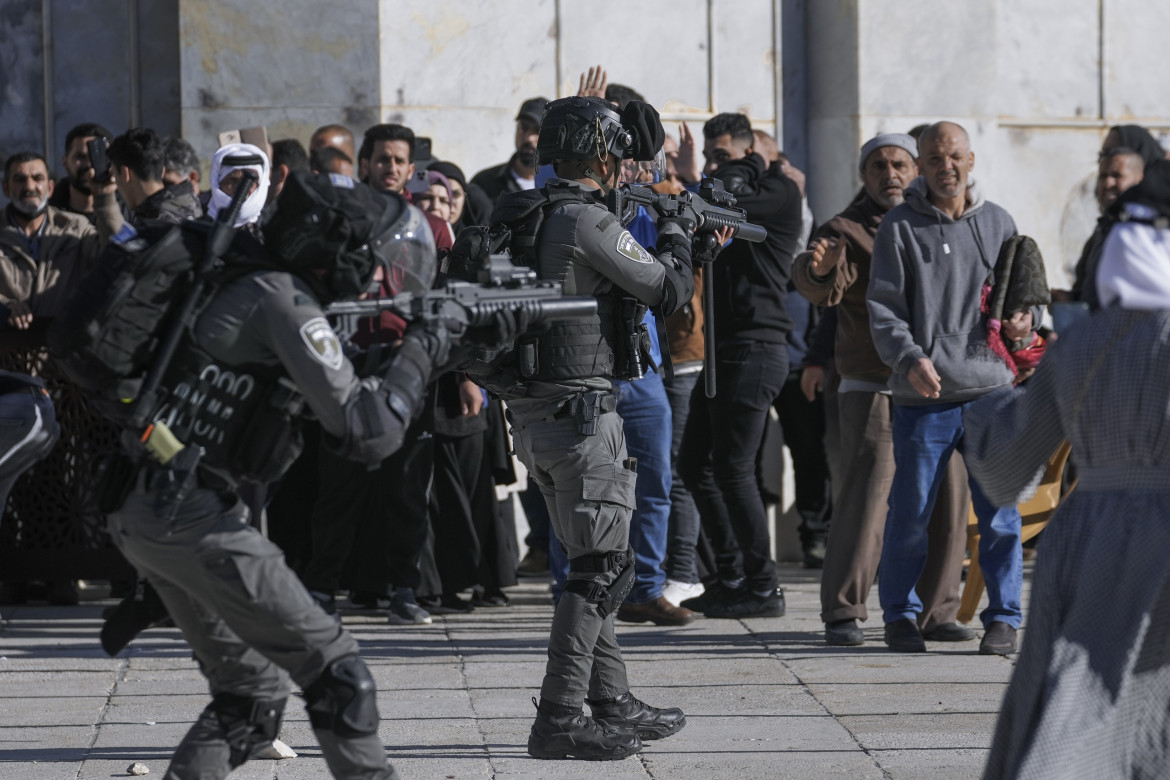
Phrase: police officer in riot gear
(561,408)
(259,350)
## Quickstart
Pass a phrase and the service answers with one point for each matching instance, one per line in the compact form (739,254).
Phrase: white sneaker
(677,592)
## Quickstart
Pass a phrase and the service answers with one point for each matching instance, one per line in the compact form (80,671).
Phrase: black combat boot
(627,712)
(565,732)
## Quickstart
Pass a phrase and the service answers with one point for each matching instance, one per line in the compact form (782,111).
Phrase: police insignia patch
(322,342)
(628,247)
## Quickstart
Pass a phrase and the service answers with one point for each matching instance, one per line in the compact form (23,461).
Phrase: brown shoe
(660,612)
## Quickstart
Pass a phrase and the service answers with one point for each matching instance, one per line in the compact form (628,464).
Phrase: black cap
(533,109)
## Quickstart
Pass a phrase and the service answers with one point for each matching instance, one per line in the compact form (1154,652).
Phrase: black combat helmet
(588,128)
(335,232)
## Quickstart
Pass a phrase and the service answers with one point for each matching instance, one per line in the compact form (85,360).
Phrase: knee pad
(606,599)
(343,699)
(247,723)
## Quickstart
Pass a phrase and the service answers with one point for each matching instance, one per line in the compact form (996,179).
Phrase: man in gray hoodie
(932,257)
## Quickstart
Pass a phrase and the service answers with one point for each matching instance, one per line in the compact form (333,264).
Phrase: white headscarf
(1134,272)
(250,211)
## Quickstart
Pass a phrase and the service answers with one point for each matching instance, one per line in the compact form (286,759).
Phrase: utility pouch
(633,342)
(527,362)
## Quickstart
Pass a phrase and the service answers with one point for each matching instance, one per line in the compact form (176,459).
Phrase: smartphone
(98,159)
(418,183)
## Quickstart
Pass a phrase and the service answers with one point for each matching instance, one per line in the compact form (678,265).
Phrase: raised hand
(593,83)
(687,162)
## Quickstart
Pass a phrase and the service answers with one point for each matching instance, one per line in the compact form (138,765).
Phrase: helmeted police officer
(561,408)
(259,350)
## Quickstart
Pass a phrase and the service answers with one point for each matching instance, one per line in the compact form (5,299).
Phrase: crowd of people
(887,339)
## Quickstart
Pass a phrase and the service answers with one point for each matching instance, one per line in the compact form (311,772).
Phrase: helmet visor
(406,252)
(644,171)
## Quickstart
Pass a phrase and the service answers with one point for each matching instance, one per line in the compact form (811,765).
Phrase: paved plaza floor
(763,697)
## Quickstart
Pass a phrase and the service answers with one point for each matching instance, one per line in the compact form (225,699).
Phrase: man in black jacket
(519,173)
(723,434)
(137,160)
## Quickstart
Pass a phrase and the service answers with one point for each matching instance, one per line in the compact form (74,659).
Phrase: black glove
(500,333)
(705,248)
(433,338)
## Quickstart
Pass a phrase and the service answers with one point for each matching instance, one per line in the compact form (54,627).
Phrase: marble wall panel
(658,47)
(458,53)
(745,58)
(1136,83)
(21,78)
(1044,178)
(91,66)
(926,57)
(1047,54)
(298,53)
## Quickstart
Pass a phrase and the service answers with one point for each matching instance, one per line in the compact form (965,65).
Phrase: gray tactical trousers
(590,497)
(249,620)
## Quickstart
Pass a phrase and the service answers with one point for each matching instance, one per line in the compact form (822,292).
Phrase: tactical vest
(244,417)
(571,349)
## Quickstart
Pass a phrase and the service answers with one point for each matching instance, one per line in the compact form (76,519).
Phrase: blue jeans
(645,412)
(924,438)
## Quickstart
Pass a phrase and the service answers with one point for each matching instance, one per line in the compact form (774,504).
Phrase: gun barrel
(539,311)
(712,221)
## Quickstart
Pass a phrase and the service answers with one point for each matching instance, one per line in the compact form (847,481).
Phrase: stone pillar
(290,66)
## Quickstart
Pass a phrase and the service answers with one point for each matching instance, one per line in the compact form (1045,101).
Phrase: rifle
(461,305)
(714,208)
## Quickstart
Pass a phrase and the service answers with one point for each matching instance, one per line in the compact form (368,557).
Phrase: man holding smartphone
(74,191)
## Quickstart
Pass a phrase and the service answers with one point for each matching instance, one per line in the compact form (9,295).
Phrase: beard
(30,210)
(81,184)
(526,156)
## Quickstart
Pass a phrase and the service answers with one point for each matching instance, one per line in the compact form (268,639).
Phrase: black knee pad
(247,723)
(606,599)
(343,699)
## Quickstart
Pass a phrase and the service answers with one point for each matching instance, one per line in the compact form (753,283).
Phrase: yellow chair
(1035,513)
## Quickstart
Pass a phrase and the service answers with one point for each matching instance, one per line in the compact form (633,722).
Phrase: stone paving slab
(764,698)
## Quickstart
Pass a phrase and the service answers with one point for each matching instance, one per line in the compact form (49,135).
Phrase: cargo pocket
(611,491)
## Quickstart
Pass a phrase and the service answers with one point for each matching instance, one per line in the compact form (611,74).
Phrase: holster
(586,408)
(175,481)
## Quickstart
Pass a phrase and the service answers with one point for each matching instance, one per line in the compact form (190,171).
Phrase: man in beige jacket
(43,251)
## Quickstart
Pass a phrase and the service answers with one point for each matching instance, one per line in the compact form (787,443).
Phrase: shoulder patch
(322,342)
(628,247)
